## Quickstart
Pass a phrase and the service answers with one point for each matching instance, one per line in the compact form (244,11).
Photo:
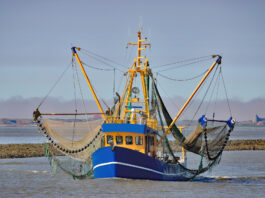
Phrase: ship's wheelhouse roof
(129,128)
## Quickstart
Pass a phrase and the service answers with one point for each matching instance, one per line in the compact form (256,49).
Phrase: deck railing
(152,123)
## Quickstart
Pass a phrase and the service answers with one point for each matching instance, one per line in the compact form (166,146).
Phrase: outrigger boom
(218,61)
(88,81)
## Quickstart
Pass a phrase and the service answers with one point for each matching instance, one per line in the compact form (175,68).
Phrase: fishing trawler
(126,142)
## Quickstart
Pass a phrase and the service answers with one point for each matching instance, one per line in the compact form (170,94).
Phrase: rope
(130,52)
(81,92)
(68,114)
(104,102)
(167,95)
(121,80)
(205,93)
(56,82)
(73,135)
(217,91)
(214,89)
(194,60)
(183,61)
(101,69)
(179,80)
(191,104)
(83,96)
(95,92)
(226,95)
(104,62)
(105,58)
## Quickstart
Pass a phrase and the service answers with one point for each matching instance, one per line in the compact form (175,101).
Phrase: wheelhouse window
(109,139)
(119,140)
(139,140)
(129,140)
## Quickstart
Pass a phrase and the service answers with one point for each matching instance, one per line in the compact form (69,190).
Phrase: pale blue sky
(36,37)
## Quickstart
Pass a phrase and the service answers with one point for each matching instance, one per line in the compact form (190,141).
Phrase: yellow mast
(218,61)
(88,81)
(139,67)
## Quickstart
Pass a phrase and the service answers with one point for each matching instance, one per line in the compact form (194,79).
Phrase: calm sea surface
(20,135)
(15,135)
(240,174)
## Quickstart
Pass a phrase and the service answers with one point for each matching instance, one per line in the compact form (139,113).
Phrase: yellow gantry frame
(188,101)
(88,81)
(142,69)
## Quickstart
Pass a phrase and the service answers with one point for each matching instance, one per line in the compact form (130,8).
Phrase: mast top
(141,46)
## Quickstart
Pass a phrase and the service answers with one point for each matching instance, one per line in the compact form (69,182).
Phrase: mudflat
(22,150)
(37,150)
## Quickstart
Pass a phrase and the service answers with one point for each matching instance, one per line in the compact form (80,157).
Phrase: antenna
(140,23)
(149,37)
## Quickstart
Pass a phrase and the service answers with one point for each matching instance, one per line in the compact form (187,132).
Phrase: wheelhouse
(132,136)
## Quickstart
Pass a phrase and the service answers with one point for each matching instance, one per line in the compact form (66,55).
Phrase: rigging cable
(103,62)
(206,92)
(121,80)
(81,92)
(74,77)
(193,100)
(183,65)
(114,69)
(99,59)
(216,96)
(93,67)
(186,60)
(130,52)
(213,90)
(100,97)
(125,59)
(226,95)
(180,80)
(173,103)
(54,85)
(105,58)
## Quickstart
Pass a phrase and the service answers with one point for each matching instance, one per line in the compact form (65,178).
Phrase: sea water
(20,135)
(239,174)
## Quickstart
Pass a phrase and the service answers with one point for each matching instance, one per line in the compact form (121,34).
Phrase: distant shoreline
(18,126)
(37,150)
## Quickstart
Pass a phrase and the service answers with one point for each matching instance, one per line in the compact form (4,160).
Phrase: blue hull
(127,163)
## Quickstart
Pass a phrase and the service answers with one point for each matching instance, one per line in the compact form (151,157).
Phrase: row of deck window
(138,140)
